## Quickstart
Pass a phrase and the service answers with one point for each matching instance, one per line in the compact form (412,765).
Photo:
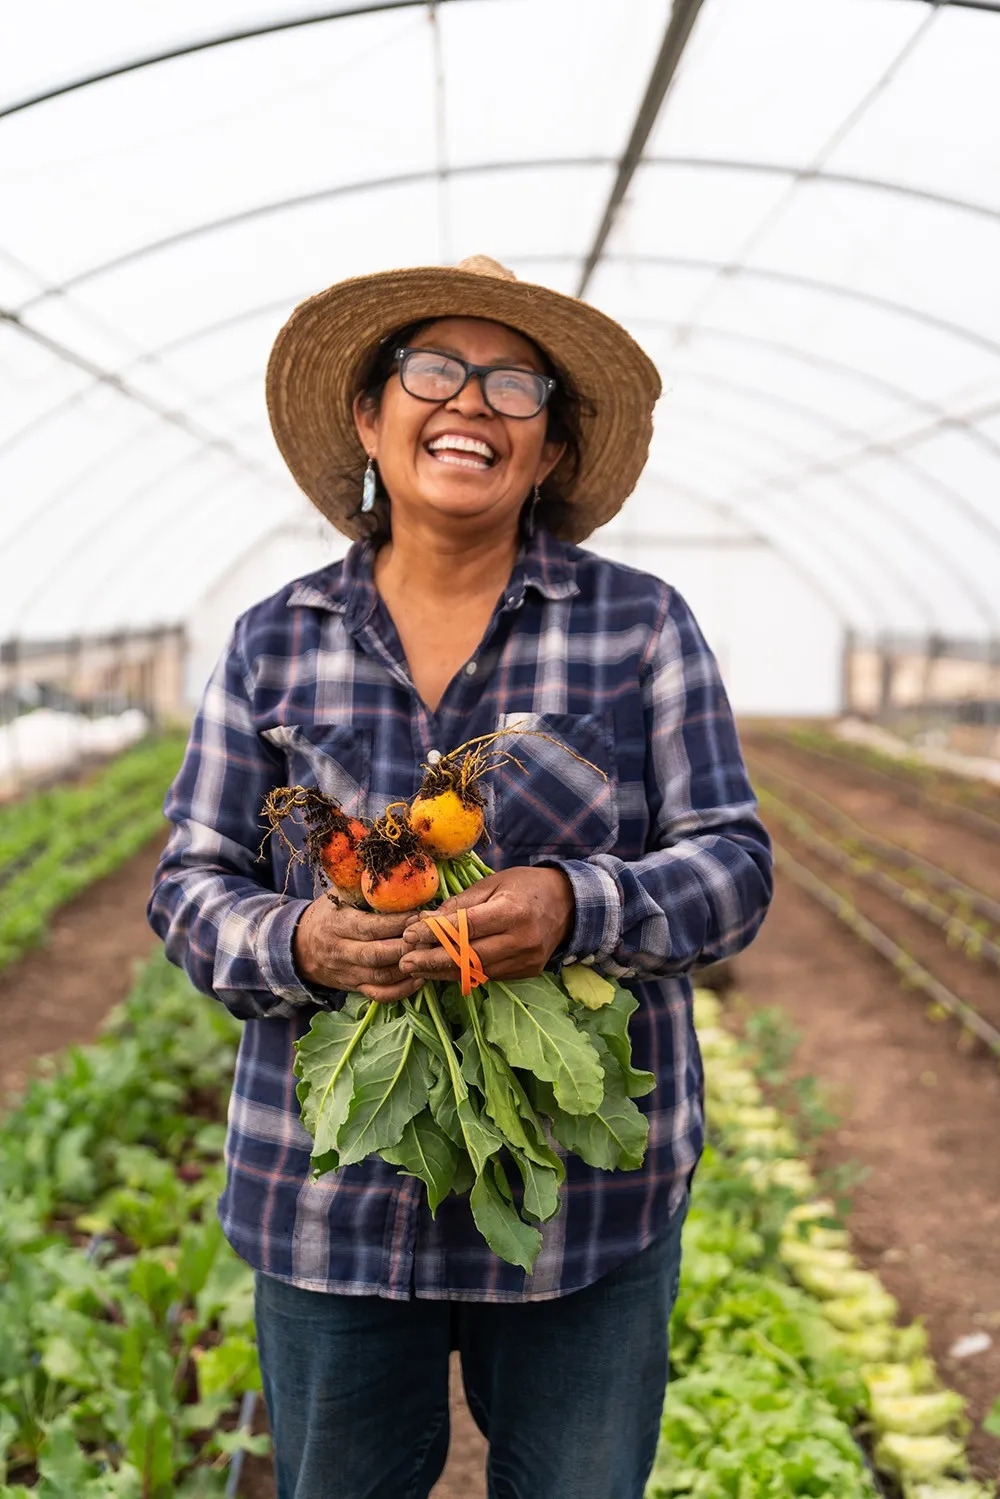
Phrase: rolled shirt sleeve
(701,892)
(216,901)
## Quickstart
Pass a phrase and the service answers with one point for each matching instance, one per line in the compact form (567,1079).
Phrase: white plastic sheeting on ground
(48,741)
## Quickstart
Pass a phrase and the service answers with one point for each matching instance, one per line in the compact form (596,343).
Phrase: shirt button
(470,669)
(433,756)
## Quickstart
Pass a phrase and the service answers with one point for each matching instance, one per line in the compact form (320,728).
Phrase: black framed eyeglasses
(430,376)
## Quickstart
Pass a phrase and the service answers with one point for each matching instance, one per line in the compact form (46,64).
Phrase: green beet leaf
(504,1099)
(541,1185)
(587,987)
(528,1021)
(498,1220)
(611,1024)
(465,1175)
(444,1112)
(230,1367)
(150,1447)
(482,1141)
(443,1105)
(425,1151)
(452,1106)
(325,1059)
(328,1161)
(392,1080)
(423,1028)
(613,1137)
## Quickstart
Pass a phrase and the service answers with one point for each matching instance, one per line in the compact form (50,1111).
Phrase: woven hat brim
(318,358)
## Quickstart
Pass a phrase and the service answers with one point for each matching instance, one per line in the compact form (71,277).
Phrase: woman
(465,429)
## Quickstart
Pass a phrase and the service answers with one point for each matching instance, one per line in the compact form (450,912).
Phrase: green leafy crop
(126,1321)
(56,843)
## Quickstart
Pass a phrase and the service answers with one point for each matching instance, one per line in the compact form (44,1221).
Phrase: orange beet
(340,859)
(411,883)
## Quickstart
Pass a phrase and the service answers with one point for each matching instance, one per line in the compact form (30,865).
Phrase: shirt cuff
(273,951)
(597,927)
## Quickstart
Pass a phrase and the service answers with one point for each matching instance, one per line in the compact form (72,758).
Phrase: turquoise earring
(368,488)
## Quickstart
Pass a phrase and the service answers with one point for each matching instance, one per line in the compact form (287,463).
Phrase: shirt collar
(544,564)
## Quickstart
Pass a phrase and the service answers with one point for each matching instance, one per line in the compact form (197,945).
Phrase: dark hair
(553,513)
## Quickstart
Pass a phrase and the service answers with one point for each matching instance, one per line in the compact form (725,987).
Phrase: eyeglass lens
(435,377)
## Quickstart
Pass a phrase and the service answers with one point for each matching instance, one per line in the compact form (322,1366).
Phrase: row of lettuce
(55,843)
(793,1377)
(126,1322)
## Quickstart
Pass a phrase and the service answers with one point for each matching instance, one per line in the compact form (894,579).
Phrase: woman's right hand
(339,947)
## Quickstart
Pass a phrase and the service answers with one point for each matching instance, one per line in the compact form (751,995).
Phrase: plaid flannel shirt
(669,865)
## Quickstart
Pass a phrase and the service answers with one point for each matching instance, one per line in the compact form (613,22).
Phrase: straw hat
(319,356)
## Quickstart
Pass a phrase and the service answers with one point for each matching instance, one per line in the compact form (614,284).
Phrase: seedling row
(55,844)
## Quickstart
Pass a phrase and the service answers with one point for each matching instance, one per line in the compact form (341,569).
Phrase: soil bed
(881,810)
(972,979)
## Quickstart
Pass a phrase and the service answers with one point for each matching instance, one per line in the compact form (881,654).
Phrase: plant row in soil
(56,843)
(126,1321)
(939,930)
(932,934)
(964,801)
(791,1375)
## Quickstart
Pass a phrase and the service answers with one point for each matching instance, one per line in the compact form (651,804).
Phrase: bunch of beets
(480,1086)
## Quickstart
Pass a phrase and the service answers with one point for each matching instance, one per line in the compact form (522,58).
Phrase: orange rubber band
(471,970)
(465,951)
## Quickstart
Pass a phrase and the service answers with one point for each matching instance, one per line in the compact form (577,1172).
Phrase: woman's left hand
(517,919)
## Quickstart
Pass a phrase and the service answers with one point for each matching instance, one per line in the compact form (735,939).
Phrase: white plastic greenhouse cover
(808,245)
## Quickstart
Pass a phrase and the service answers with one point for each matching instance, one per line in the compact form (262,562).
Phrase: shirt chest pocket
(561,800)
(334,757)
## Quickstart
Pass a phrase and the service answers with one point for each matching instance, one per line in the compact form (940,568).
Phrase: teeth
(456,443)
(477,463)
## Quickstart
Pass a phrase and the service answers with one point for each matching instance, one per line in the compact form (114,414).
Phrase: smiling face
(458,459)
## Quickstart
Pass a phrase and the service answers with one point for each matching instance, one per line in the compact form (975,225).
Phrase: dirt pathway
(58,994)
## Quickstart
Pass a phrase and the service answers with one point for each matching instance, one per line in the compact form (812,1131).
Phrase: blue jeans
(567,1392)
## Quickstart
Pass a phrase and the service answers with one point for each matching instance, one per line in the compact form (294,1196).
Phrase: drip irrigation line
(21,862)
(977,822)
(248,1409)
(910,971)
(958,932)
(882,848)
(873,1472)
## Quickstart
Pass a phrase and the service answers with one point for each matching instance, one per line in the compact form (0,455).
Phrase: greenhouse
(777,224)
